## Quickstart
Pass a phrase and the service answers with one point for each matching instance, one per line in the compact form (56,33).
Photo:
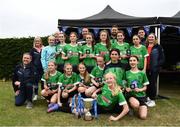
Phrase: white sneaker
(29,105)
(151,103)
(35,97)
(43,98)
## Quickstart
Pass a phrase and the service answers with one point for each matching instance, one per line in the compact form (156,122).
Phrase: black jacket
(157,58)
(36,58)
(23,75)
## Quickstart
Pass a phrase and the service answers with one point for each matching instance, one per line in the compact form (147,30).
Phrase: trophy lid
(88,99)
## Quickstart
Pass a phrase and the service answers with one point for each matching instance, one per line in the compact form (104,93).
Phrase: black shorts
(142,100)
(65,100)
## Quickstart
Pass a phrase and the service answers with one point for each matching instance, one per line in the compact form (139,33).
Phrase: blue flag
(129,30)
(162,27)
(64,28)
(79,31)
(96,31)
(147,29)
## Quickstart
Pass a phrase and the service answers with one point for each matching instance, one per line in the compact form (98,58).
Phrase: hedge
(11,50)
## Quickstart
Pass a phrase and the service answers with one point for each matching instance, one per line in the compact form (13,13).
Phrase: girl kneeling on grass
(50,79)
(111,99)
(136,86)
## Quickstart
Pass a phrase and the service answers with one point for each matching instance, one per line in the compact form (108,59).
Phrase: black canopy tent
(106,18)
(174,20)
(170,40)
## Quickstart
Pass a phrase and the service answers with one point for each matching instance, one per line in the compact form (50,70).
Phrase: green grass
(166,113)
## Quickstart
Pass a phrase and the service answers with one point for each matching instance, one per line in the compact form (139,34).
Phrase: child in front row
(111,99)
(50,79)
(96,76)
(68,87)
(84,79)
(136,86)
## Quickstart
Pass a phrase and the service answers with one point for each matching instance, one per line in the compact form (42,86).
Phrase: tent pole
(158,35)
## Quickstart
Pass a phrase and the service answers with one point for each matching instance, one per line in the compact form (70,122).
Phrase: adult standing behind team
(36,61)
(155,60)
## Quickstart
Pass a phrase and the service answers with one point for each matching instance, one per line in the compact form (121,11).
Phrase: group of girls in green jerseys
(113,73)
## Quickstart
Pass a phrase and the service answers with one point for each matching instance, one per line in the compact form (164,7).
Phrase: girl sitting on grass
(136,86)
(84,79)
(111,99)
(50,79)
(68,87)
(96,76)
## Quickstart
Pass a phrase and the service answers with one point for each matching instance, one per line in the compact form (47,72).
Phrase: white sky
(23,18)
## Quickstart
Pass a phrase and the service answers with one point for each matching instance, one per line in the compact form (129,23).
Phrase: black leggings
(152,87)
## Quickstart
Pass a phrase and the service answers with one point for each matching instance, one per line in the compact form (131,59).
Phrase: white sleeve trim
(43,80)
(146,55)
(122,103)
(92,76)
(146,83)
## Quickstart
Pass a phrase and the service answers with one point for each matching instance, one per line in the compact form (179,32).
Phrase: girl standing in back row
(104,46)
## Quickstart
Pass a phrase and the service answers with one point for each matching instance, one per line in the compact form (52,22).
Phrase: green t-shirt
(97,74)
(107,100)
(85,49)
(141,52)
(113,40)
(59,50)
(52,82)
(81,79)
(136,80)
(64,80)
(122,48)
(119,72)
(101,48)
(72,51)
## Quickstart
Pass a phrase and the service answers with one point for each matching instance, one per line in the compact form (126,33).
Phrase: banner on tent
(64,28)
(129,30)
(96,31)
(79,31)
(147,29)
(162,28)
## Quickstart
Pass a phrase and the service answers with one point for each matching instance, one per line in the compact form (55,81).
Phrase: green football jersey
(52,82)
(64,80)
(59,50)
(107,100)
(122,48)
(72,51)
(97,74)
(82,80)
(85,49)
(141,52)
(113,40)
(136,80)
(119,72)
(101,48)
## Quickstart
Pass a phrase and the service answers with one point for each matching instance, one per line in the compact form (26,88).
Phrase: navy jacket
(36,58)
(23,75)
(157,58)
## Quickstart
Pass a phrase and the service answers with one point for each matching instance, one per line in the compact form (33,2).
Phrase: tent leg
(157,91)
(157,33)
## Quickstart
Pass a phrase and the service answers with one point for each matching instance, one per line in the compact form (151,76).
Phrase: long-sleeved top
(48,54)
(157,58)
(23,74)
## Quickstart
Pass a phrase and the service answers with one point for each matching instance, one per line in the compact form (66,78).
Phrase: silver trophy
(88,106)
